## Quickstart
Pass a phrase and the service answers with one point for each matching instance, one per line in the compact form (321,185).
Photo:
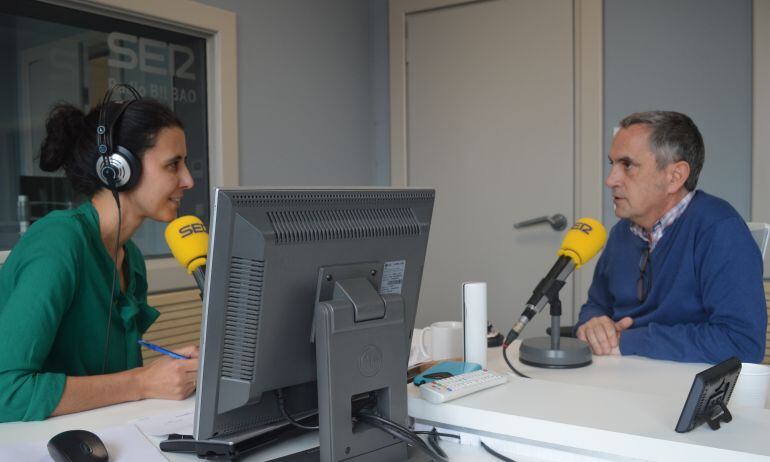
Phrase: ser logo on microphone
(192,228)
(583,227)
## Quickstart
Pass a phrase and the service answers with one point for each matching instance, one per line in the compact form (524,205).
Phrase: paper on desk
(125,443)
(180,422)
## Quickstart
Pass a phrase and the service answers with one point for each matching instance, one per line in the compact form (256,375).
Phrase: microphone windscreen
(584,240)
(188,240)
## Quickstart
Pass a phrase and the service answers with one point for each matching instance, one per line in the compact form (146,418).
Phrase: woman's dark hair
(70,141)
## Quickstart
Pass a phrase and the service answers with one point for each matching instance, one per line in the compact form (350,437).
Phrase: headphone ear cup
(121,171)
(133,171)
(118,168)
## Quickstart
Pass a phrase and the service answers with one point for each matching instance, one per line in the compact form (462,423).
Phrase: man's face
(640,191)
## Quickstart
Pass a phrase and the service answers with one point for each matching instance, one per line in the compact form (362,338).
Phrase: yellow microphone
(581,243)
(189,243)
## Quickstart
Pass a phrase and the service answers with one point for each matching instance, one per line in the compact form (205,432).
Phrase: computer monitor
(267,249)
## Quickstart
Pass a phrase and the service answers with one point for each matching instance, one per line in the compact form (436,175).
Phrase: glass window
(51,54)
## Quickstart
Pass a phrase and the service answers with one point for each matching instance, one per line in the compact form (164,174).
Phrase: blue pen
(154,347)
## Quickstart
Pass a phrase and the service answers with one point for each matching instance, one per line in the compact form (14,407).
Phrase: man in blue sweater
(680,277)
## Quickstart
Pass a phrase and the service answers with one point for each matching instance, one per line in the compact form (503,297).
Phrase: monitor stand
(360,339)
(239,445)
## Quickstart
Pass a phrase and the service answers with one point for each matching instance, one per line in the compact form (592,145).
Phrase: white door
(490,126)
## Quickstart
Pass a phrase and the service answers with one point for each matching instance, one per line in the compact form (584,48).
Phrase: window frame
(218,28)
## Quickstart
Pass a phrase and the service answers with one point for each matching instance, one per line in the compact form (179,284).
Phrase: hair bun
(64,127)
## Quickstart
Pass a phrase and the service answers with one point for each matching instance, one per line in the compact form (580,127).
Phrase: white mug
(446,340)
(752,387)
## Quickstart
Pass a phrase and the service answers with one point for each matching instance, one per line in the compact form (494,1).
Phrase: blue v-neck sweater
(706,301)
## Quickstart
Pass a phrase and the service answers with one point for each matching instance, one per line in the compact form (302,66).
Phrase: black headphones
(117,168)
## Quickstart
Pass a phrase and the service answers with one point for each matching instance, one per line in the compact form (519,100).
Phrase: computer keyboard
(441,391)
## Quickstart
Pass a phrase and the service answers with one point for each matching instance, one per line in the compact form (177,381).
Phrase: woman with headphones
(73,292)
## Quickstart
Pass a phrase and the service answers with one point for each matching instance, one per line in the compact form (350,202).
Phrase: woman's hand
(169,378)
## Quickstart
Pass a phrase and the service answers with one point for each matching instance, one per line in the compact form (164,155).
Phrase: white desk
(617,408)
(120,414)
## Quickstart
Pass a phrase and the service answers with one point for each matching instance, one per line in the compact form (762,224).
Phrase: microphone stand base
(572,353)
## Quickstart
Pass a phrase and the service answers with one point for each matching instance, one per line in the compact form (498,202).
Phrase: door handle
(558,222)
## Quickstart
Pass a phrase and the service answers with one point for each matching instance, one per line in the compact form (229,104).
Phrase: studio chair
(760,233)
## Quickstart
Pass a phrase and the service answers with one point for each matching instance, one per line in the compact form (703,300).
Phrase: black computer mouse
(77,446)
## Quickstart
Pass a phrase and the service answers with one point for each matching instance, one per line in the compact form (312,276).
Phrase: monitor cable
(433,439)
(408,436)
(292,420)
(495,453)
(369,416)
(114,277)
(437,433)
(505,357)
(400,432)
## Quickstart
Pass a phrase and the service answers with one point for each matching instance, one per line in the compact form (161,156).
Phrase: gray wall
(313,86)
(692,56)
(312,91)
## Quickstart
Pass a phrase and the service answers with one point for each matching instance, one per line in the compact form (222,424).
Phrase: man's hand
(603,334)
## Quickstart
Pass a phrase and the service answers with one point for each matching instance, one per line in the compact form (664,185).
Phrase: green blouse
(54,306)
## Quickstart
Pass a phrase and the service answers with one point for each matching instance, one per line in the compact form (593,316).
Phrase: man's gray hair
(673,137)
